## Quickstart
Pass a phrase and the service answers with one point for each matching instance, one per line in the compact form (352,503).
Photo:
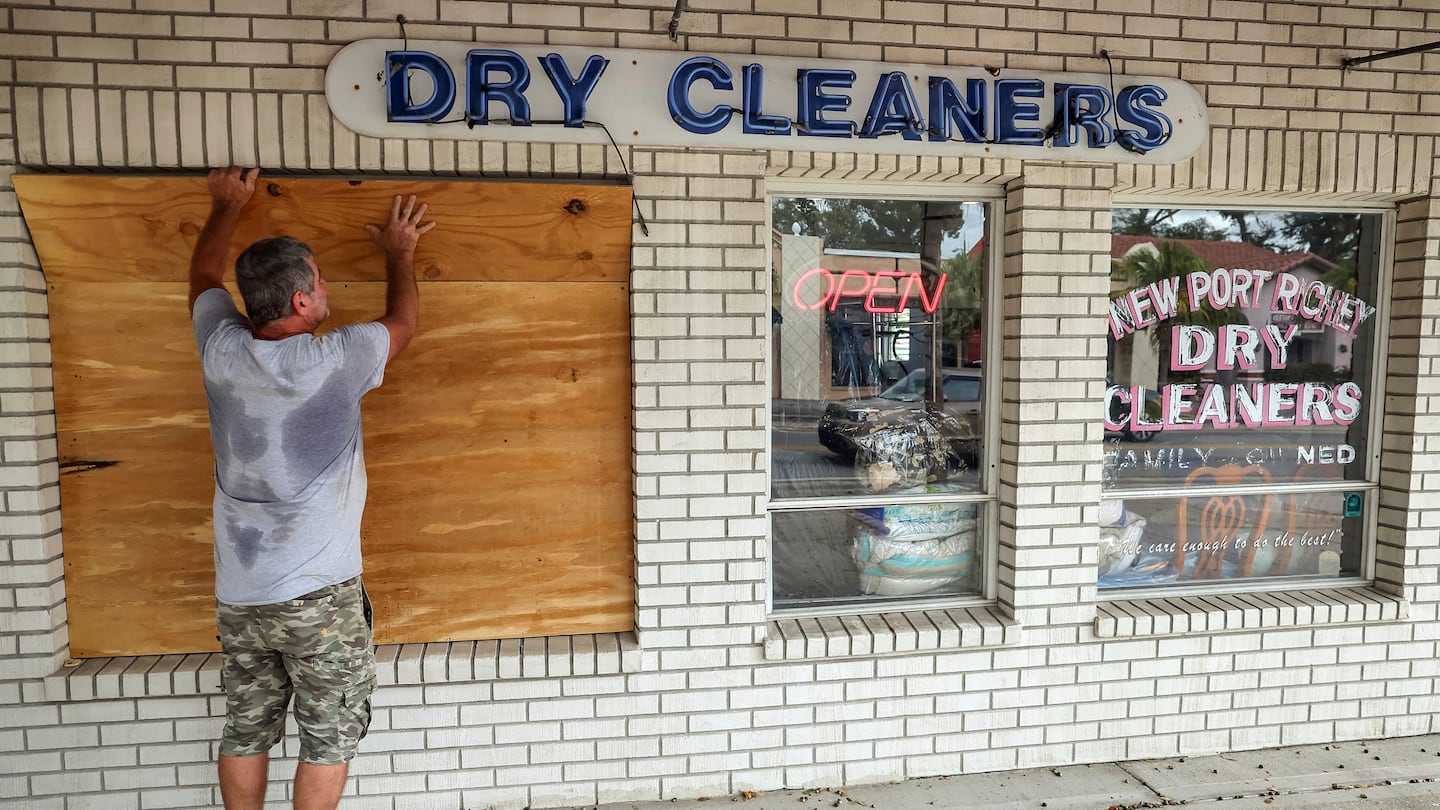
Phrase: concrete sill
(1166,616)
(882,633)
(436,662)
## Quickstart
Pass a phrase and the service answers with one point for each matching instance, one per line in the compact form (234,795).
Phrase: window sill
(1164,616)
(882,633)
(404,664)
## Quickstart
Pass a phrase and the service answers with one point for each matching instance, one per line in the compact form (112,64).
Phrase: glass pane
(1231,537)
(1239,337)
(835,557)
(876,318)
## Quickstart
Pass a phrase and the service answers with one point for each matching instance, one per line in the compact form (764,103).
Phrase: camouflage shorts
(317,648)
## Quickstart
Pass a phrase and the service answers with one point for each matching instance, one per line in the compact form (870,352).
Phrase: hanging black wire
(624,167)
(1351,61)
(1114,110)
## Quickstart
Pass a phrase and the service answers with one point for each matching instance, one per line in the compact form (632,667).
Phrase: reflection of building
(834,346)
(1137,362)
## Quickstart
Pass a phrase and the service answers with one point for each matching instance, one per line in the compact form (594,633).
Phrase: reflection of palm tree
(964,294)
(1342,276)
(1169,259)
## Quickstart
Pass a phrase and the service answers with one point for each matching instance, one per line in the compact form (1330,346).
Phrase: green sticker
(1354,504)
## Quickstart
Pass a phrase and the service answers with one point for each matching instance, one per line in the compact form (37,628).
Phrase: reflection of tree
(846,224)
(1252,228)
(1161,222)
(964,294)
(915,227)
(1330,235)
(1169,259)
(1333,237)
(1342,276)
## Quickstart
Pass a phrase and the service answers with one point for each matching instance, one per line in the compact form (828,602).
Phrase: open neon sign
(863,284)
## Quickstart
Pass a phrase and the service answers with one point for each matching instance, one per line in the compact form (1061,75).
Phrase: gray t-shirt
(289,464)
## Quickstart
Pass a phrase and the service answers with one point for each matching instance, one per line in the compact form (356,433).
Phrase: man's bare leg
(242,781)
(318,787)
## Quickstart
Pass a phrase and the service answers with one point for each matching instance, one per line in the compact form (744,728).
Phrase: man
(289,491)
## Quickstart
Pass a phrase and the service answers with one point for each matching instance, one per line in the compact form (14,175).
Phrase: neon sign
(863,284)
(399,88)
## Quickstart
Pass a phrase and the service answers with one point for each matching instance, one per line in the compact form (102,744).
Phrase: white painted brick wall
(176,84)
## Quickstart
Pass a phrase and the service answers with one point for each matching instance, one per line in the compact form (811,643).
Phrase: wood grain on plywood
(126,229)
(498,451)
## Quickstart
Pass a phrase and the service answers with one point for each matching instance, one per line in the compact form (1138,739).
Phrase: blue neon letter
(755,121)
(481,91)
(398,106)
(1084,106)
(574,92)
(1134,106)
(967,114)
(678,95)
(1008,111)
(893,109)
(814,101)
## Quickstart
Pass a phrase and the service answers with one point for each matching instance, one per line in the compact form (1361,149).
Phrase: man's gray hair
(269,273)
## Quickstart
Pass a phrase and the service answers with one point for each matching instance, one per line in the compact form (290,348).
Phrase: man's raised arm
(230,189)
(402,298)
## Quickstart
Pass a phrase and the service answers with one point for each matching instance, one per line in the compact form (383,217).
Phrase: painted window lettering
(1239,446)
(1235,347)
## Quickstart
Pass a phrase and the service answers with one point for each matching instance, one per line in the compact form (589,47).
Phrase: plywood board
(487,231)
(498,453)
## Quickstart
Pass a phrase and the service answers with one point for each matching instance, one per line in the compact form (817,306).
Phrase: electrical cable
(624,167)
(1115,113)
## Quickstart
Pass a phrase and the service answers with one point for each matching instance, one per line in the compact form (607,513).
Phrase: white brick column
(33,640)
(1408,546)
(1056,283)
(701,311)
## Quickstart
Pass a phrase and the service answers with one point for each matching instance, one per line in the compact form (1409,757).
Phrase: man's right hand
(232,186)
(230,189)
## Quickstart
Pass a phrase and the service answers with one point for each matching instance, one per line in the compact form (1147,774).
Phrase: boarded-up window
(498,448)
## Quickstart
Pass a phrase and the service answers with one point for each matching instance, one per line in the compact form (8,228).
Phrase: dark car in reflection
(848,424)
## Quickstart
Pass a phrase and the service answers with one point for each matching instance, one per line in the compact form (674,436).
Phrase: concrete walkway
(1395,774)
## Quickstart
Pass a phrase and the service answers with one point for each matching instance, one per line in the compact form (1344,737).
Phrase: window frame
(993,198)
(1370,486)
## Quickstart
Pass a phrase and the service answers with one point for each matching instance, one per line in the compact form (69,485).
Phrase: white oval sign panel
(390,88)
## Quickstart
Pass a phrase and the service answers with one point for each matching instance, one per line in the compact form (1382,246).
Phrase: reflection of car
(847,423)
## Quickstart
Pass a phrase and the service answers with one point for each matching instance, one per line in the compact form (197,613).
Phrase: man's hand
(403,231)
(230,189)
(402,298)
(232,186)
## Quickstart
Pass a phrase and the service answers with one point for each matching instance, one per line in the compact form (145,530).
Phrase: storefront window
(878,472)
(1241,388)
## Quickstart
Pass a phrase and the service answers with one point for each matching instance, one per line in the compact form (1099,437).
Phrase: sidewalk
(1393,774)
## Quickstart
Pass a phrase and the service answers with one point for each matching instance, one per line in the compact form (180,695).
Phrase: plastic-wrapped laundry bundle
(1120,533)
(914,549)
(909,451)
